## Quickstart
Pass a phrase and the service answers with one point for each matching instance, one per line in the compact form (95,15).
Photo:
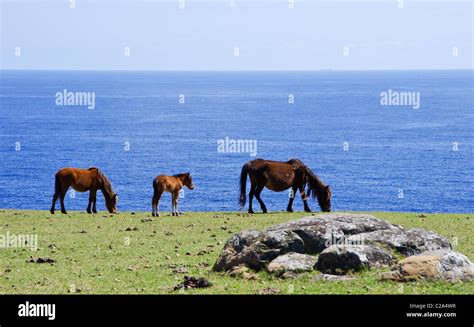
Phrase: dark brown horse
(83,180)
(172,184)
(279,176)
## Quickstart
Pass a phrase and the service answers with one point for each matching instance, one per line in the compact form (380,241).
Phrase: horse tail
(243,184)
(57,184)
(155,186)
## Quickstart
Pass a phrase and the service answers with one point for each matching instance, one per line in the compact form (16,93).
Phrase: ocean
(376,155)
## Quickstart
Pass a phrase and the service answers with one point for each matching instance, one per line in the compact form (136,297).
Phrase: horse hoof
(64,212)
(251,212)
(52,212)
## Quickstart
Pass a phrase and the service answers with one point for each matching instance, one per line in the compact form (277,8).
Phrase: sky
(236,35)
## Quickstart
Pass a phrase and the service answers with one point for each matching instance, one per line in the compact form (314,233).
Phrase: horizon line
(234,70)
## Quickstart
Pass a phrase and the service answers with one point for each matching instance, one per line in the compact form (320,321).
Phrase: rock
(180,270)
(294,262)
(367,242)
(289,275)
(321,231)
(435,265)
(333,278)
(256,249)
(269,291)
(339,259)
(238,271)
(406,242)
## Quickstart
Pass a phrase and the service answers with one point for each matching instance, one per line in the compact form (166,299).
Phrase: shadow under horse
(279,176)
(83,180)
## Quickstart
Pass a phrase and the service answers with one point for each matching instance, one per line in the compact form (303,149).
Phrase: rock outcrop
(340,259)
(436,265)
(293,262)
(344,242)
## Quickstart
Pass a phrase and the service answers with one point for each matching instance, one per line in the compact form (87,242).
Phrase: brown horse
(83,180)
(172,184)
(279,176)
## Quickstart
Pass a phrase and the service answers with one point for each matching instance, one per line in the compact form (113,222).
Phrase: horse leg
(174,203)
(289,208)
(94,200)
(176,198)
(61,200)
(156,203)
(53,205)
(153,203)
(304,198)
(251,192)
(259,190)
(90,203)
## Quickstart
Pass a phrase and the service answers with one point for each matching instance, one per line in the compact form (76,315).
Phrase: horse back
(80,179)
(166,183)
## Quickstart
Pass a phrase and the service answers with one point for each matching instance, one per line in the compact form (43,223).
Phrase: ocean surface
(386,158)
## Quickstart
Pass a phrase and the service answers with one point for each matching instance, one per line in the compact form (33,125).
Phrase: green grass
(92,255)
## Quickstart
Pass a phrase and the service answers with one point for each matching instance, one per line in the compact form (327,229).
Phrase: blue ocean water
(396,158)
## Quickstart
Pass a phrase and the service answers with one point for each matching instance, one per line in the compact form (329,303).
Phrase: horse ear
(328,187)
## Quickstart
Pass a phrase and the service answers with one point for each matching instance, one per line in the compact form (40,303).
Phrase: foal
(172,184)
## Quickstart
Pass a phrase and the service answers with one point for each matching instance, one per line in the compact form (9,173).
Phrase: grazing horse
(279,176)
(83,180)
(172,184)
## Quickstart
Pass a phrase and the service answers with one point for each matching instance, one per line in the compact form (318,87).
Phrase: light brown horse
(172,184)
(279,176)
(83,180)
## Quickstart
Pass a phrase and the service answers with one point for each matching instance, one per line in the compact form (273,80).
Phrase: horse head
(324,198)
(111,203)
(188,181)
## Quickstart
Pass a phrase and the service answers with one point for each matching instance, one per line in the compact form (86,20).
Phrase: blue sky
(268,34)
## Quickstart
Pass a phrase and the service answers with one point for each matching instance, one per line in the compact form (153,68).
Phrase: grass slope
(123,254)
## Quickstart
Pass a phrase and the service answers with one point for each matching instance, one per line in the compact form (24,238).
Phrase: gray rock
(340,259)
(436,265)
(349,223)
(321,231)
(294,262)
(314,234)
(406,242)
(256,249)
(333,278)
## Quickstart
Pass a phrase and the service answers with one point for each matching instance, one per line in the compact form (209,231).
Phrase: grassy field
(132,253)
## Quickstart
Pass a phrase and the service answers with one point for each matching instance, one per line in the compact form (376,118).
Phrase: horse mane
(183,176)
(315,185)
(106,185)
